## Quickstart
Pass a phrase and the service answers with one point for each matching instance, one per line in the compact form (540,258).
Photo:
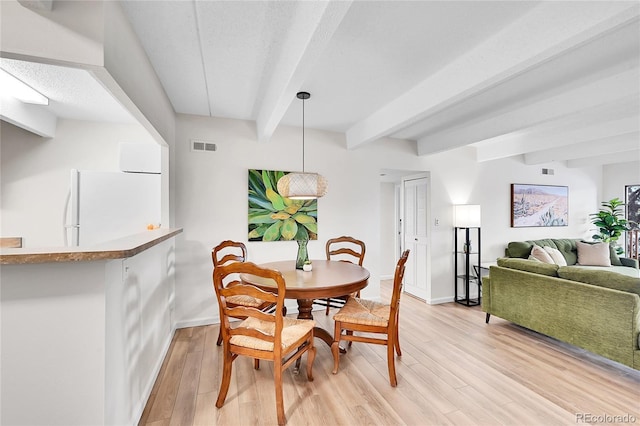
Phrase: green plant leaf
(273,232)
(313,227)
(255,183)
(280,215)
(266,180)
(303,218)
(289,229)
(263,203)
(275,199)
(258,232)
(261,218)
(609,221)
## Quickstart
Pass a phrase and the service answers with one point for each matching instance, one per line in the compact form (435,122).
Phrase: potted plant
(610,222)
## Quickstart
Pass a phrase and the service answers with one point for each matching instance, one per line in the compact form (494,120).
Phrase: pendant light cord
(303,135)
(304,96)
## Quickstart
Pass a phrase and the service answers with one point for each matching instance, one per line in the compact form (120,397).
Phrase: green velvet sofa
(597,310)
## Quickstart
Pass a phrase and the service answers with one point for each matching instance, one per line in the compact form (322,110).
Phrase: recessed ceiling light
(13,86)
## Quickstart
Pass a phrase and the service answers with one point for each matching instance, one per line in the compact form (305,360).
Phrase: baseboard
(198,322)
(440,300)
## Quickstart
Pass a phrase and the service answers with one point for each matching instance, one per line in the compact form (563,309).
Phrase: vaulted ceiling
(545,81)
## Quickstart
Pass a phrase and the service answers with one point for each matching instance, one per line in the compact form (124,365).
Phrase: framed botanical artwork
(539,205)
(632,200)
(272,217)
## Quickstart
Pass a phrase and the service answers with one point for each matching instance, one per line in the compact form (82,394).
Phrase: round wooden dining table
(329,278)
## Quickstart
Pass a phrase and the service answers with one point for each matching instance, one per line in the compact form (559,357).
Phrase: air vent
(202,146)
(547,171)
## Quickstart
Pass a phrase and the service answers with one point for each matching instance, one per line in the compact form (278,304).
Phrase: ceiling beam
(37,4)
(33,118)
(558,28)
(562,106)
(594,148)
(612,158)
(311,31)
(551,136)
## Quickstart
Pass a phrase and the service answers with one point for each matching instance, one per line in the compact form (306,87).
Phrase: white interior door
(416,234)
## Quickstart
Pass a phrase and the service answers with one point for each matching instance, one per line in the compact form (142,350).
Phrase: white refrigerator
(110,205)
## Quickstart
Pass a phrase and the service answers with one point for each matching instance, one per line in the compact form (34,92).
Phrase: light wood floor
(455,370)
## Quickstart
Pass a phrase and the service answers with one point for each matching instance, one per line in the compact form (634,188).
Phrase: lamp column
(467,255)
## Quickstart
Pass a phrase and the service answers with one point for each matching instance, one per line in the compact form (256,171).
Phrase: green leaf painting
(272,217)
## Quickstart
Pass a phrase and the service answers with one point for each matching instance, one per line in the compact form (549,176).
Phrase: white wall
(211,201)
(34,173)
(211,198)
(388,218)
(616,177)
(458,179)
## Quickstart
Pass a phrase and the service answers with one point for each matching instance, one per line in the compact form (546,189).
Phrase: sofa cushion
(526,265)
(597,254)
(541,254)
(615,259)
(521,249)
(601,278)
(556,255)
(567,246)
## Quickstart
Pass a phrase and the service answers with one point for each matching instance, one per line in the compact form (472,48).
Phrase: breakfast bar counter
(115,249)
(88,327)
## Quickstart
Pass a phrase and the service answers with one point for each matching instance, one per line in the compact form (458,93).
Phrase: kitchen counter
(116,249)
(89,325)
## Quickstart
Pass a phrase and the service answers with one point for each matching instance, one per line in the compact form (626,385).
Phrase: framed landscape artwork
(539,205)
(632,200)
(272,217)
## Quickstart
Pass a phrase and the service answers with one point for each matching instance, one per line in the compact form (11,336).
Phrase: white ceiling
(546,81)
(73,93)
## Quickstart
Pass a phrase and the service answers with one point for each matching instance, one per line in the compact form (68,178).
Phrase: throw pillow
(567,247)
(557,257)
(593,254)
(533,258)
(540,254)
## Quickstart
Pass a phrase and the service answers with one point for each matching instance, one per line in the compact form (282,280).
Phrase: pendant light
(301,185)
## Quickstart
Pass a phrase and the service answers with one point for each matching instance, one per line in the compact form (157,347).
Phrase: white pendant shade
(302,186)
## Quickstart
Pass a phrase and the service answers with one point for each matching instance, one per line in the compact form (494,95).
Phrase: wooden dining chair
(261,335)
(361,315)
(235,251)
(345,249)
